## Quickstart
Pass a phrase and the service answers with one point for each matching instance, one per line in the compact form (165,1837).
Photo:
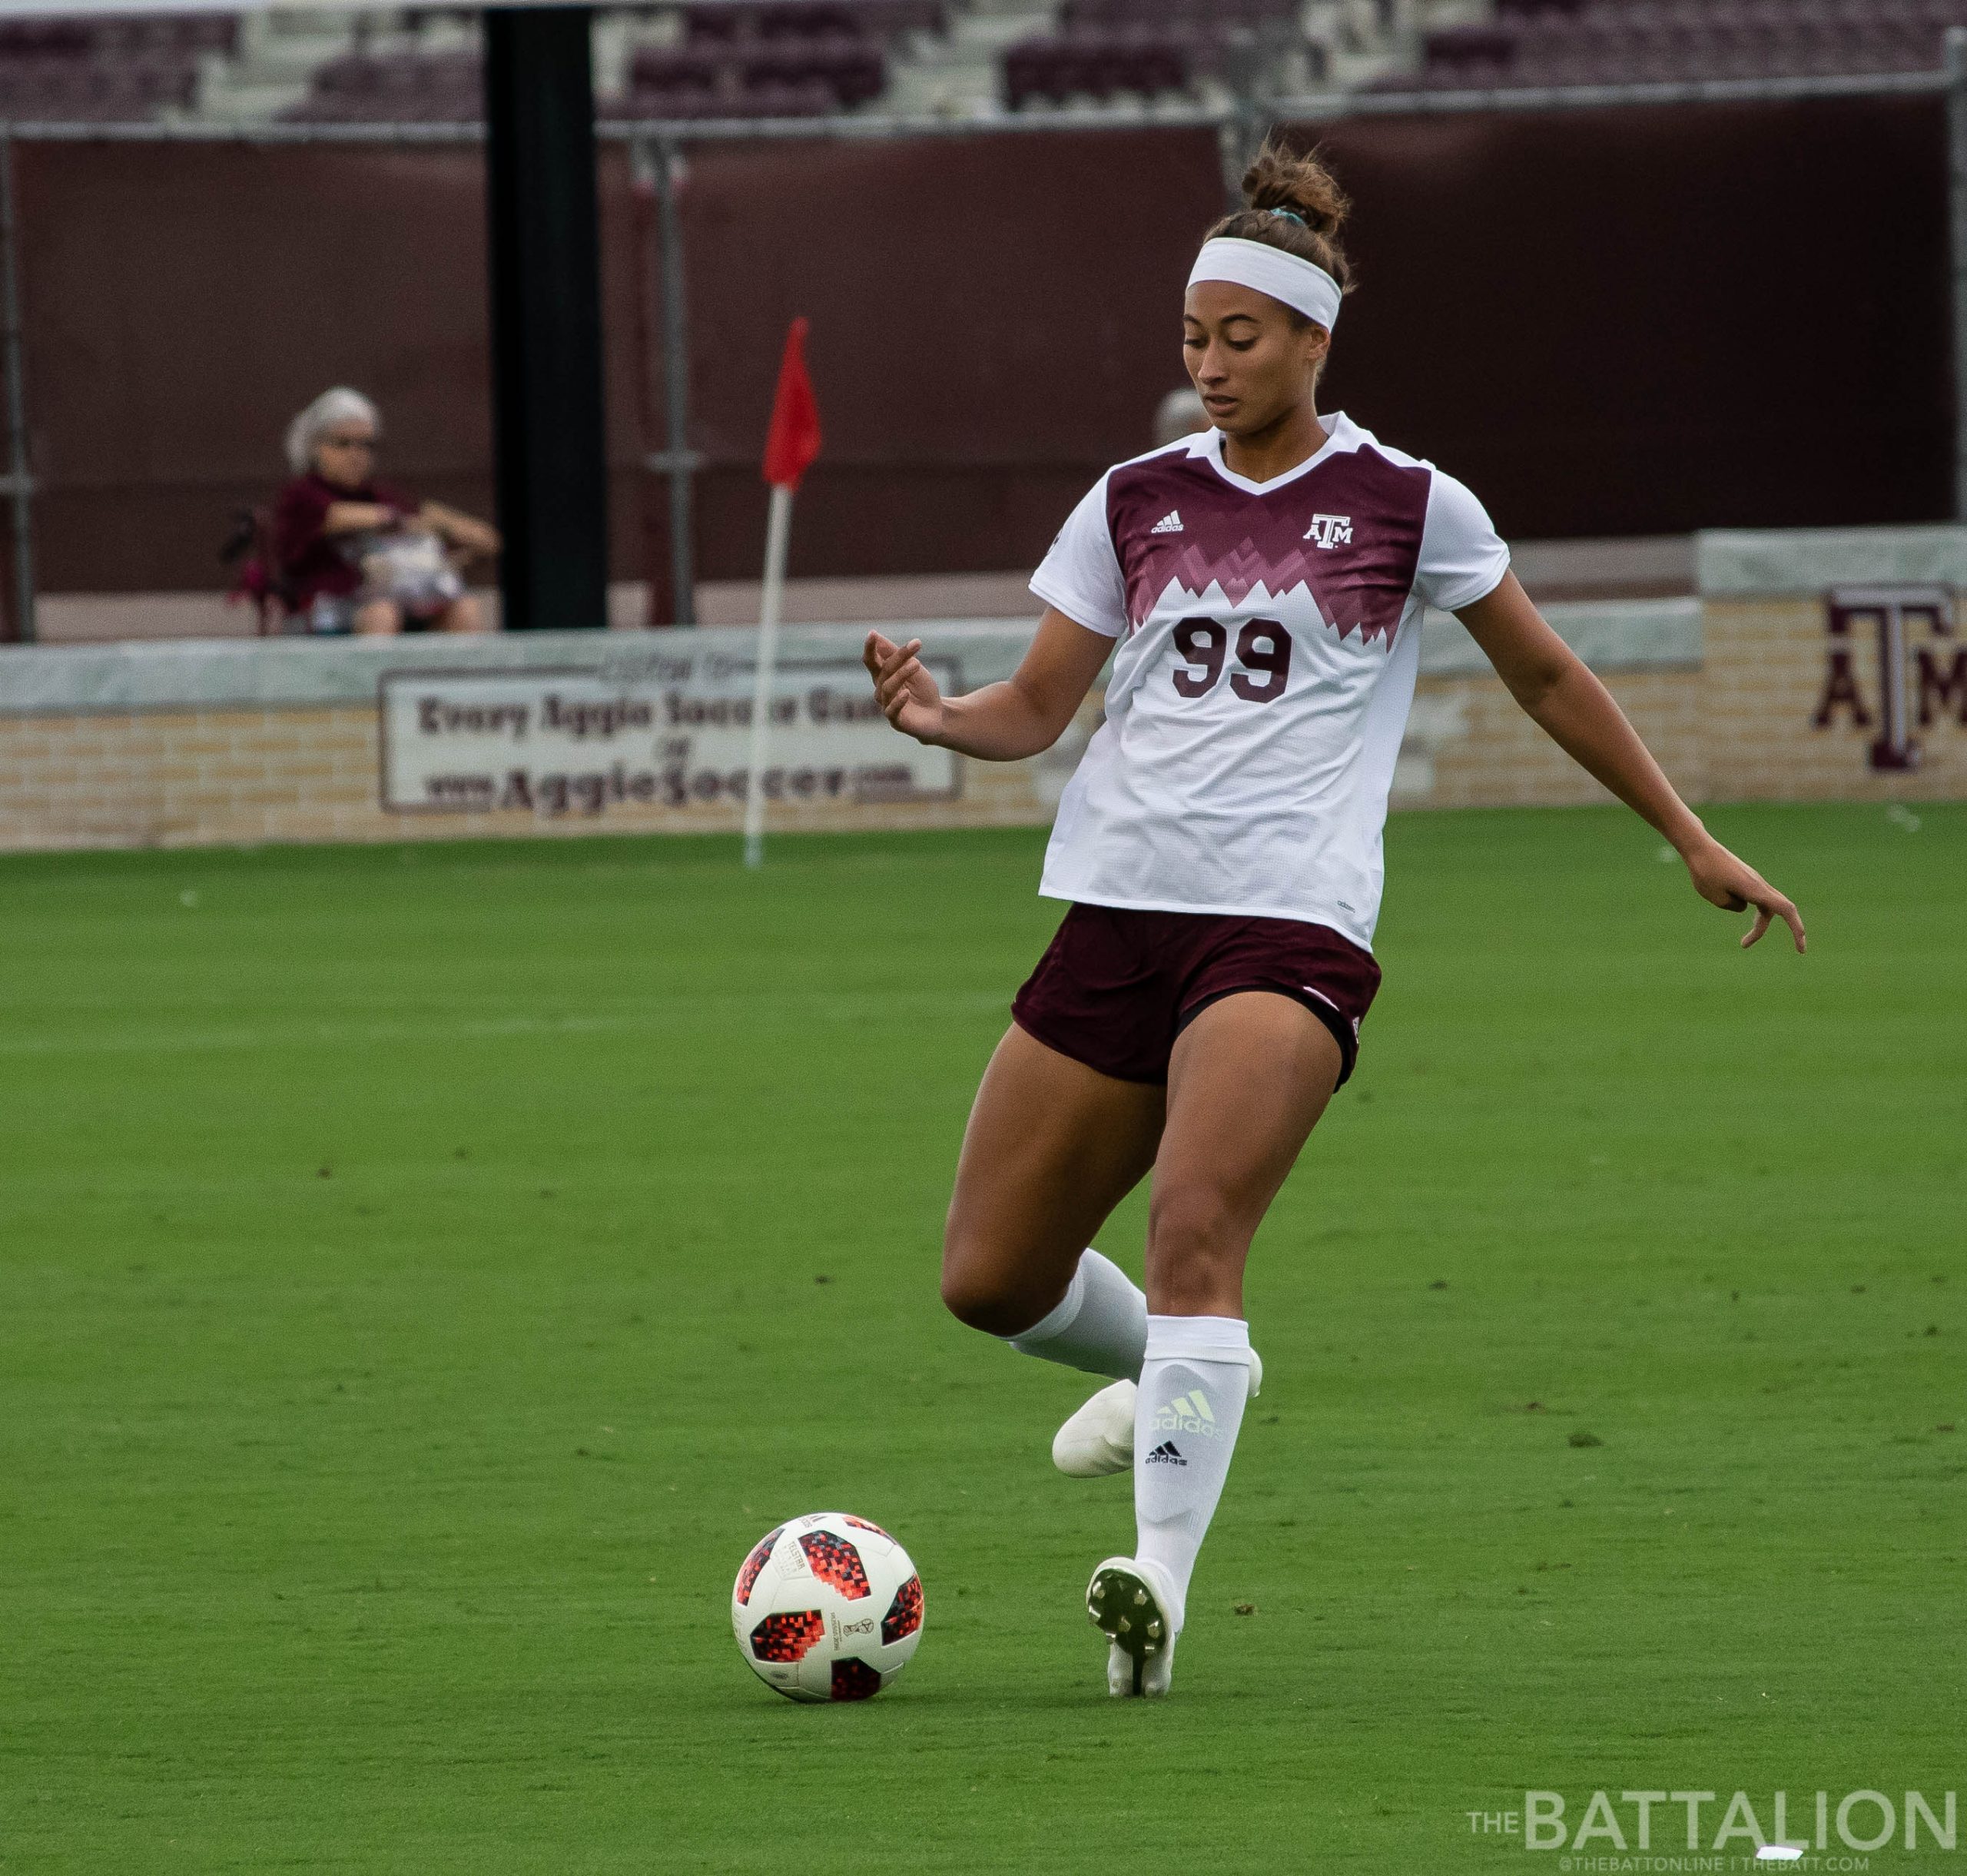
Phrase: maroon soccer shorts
(1116,987)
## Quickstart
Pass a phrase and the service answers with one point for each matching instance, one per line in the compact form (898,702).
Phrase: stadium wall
(1816,665)
(1607,322)
(1599,318)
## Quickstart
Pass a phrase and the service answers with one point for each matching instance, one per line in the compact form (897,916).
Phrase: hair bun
(1278,179)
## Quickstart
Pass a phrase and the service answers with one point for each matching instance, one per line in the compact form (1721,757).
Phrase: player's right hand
(906,693)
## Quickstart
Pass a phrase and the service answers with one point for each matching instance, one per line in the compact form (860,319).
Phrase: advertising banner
(657,731)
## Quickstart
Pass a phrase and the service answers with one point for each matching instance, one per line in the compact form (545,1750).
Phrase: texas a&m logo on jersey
(1331,530)
(1331,551)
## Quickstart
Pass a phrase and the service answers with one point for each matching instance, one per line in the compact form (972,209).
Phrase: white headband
(1302,285)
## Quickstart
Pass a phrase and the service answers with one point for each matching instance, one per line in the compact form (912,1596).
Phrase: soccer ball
(826,1607)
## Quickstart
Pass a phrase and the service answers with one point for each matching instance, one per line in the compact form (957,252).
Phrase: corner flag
(790,445)
(794,439)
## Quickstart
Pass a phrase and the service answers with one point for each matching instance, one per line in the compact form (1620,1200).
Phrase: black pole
(18,482)
(682,463)
(545,250)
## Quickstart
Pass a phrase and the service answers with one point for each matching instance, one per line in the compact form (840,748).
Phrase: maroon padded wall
(1620,321)
(182,301)
(994,319)
(1643,321)
(982,337)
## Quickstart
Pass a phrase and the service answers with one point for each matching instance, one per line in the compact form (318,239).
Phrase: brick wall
(1767,668)
(1494,756)
(172,778)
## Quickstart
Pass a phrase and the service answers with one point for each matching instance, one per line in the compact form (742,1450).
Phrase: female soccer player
(1220,846)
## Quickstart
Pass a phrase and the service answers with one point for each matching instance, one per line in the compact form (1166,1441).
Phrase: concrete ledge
(1646,566)
(1784,562)
(196,674)
(1609,634)
(309,673)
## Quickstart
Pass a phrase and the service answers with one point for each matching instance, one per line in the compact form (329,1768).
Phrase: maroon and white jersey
(1269,639)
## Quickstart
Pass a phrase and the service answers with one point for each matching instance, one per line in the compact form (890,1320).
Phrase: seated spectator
(1181,414)
(357,555)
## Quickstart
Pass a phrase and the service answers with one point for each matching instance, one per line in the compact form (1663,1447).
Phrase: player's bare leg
(1250,1077)
(1051,1148)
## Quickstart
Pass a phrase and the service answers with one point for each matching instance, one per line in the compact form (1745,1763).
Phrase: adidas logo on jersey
(1331,530)
(1186,1413)
(1166,1454)
(1169,523)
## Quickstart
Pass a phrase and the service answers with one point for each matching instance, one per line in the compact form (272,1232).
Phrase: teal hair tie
(1289,214)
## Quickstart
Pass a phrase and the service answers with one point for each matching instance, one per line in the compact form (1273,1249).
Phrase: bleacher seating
(106,69)
(1214,17)
(776,59)
(394,88)
(1147,48)
(1546,42)
(114,36)
(760,100)
(728,22)
(747,59)
(1098,61)
(837,70)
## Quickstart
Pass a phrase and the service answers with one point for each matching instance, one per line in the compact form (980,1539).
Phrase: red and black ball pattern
(833,1560)
(755,1563)
(854,1680)
(904,1614)
(788,1637)
(861,1524)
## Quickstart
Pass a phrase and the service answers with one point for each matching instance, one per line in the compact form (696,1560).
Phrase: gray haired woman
(357,554)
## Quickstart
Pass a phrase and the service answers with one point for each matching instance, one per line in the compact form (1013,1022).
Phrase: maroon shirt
(310,559)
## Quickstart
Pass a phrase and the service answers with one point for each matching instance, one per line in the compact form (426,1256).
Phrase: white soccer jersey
(1269,639)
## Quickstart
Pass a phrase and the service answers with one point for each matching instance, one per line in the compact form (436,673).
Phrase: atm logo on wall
(1919,671)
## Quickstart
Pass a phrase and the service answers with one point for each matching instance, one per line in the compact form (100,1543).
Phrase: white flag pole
(778,528)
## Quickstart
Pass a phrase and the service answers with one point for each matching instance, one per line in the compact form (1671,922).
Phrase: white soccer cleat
(1133,1604)
(1100,1438)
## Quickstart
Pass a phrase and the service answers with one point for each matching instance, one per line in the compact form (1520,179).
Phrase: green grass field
(424,1272)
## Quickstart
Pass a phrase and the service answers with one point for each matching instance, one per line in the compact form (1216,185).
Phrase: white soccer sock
(1193,1383)
(1101,1327)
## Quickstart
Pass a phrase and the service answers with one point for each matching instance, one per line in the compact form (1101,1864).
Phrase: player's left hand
(1734,885)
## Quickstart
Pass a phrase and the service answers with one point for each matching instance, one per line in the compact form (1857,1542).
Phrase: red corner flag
(793,439)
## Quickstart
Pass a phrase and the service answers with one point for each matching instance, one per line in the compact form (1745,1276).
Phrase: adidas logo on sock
(1167,1453)
(1169,523)
(1187,1413)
